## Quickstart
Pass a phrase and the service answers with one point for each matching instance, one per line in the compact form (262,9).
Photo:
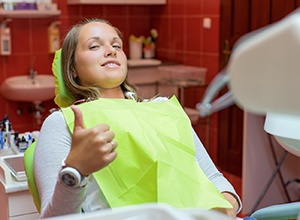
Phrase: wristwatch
(70,177)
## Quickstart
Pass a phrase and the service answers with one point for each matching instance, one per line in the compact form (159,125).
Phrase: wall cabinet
(117,2)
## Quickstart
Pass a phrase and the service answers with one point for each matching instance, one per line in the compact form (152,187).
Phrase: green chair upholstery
(28,164)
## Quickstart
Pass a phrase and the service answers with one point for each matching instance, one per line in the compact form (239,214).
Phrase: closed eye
(117,46)
(94,47)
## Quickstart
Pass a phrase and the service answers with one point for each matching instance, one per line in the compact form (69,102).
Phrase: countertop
(142,63)
(8,181)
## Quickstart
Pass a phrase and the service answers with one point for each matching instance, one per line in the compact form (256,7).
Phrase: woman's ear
(74,74)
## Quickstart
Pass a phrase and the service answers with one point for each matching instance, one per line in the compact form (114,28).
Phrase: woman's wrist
(232,200)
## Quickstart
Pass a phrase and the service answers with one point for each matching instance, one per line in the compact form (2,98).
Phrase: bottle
(23,144)
(5,39)
(53,37)
(6,133)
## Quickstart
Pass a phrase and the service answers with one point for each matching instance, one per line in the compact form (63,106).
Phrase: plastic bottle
(53,37)
(6,133)
(23,144)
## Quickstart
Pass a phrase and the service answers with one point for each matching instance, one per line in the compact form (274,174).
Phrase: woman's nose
(110,51)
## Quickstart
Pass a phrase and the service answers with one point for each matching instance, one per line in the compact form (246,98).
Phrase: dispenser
(5,133)
(5,38)
(53,37)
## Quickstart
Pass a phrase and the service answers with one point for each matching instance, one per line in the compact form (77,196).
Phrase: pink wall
(181,38)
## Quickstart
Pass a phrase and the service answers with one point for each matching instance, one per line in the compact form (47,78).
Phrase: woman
(94,67)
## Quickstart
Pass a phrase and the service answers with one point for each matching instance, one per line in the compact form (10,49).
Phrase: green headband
(62,97)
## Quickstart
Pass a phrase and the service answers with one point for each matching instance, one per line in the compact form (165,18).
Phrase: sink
(24,89)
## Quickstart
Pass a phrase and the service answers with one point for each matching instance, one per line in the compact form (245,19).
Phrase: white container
(149,53)
(135,49)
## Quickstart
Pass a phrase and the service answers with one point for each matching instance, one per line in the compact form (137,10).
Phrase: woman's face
(99,57)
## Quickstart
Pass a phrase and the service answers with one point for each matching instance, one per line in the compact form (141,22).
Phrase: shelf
(145,2)
(117,2)
(28,13)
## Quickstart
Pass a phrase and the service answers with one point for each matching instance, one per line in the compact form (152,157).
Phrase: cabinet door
(20,203)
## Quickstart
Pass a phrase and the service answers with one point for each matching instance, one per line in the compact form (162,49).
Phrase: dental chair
(263,77)
(138,212)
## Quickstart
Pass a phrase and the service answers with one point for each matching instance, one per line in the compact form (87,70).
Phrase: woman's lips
(111,64)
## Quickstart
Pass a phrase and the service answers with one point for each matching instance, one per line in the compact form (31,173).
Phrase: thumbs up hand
(91,149)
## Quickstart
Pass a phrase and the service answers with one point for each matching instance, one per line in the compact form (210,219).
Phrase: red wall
(181,38)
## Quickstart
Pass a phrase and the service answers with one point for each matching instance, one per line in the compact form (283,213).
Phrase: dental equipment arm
(206,108)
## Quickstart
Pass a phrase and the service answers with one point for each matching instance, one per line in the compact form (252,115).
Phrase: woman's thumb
(78,121)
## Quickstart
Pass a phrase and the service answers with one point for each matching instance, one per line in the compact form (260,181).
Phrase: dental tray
(16,166)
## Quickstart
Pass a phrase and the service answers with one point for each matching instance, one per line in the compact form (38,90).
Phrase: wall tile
(163,27)
(176,6)
(92,11)
(194,59)
(211,37)
(176,38)
(138,10)
(194,32)
(139,26)
(211,7)
(20,35)
(39,35)
(159,10)
(211,61)
(21,64)
(194,7)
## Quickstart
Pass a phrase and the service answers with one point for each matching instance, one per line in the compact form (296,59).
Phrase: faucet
(32,74)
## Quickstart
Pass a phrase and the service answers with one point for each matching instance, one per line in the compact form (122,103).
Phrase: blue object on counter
(1,140)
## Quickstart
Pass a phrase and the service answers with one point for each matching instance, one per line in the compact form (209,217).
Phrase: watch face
(68,179)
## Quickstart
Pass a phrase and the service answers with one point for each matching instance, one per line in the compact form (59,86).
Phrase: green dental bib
(156,155)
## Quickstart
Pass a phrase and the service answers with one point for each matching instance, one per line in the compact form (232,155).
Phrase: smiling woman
(97,49)
(84,151)
(100,61)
